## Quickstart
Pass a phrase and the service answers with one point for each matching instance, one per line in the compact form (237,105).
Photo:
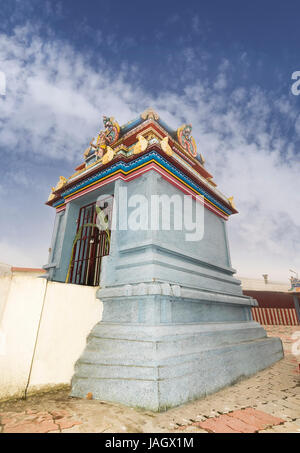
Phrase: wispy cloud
(54,97)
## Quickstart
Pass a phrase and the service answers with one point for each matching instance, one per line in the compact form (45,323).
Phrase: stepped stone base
(157,367)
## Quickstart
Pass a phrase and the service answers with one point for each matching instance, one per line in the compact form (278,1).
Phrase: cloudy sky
(225,67)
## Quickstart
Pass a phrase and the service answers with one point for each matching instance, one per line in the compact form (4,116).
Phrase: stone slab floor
(268,402)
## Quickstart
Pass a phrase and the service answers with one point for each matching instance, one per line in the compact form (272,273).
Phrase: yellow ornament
(62,181)
(141,145)
(108,156)
(51,196)
(165,146)
(230,199)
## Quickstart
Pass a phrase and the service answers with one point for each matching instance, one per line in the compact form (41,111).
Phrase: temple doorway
(91,245)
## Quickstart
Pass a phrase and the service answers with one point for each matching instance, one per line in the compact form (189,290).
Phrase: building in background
(278,303)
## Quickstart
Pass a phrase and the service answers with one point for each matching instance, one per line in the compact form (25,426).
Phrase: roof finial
(150,113)
(230,199)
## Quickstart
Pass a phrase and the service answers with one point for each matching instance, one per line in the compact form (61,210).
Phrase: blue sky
(223,66)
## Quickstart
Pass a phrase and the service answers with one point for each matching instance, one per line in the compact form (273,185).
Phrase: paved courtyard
(268,402)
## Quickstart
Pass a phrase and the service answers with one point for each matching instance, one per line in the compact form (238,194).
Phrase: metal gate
(90,247)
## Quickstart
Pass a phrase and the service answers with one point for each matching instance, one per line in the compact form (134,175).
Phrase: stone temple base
(157,367)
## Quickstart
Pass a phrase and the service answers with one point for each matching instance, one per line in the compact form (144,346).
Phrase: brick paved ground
(267,402)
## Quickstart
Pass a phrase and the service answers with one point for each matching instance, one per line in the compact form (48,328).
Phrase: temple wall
(166,255)
(43,331)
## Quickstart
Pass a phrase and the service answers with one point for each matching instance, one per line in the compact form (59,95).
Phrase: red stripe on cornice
(139,172)
(123,158)
(28,269)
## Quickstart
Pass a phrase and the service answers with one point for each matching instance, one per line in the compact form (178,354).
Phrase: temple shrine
(175,325)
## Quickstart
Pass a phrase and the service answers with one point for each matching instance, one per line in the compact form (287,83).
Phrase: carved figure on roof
(62,181)
(111,133)
(107,137)
(101,144)
(51,196)
(150,114)
(186,140)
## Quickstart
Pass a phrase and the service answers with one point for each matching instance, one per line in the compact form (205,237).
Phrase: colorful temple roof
(145,143)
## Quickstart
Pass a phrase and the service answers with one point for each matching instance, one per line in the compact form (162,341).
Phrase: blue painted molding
(130,166)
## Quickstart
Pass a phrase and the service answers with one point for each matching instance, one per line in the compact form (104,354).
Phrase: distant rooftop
(259,284)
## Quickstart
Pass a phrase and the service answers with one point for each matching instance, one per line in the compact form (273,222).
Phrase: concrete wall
(5,281)
(43,330)
(69,314)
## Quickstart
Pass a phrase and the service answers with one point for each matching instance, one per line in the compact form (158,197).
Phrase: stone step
(166,367)
(174,380)
(190,340)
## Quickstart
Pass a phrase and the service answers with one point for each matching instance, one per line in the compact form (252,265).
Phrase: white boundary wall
(43,330)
